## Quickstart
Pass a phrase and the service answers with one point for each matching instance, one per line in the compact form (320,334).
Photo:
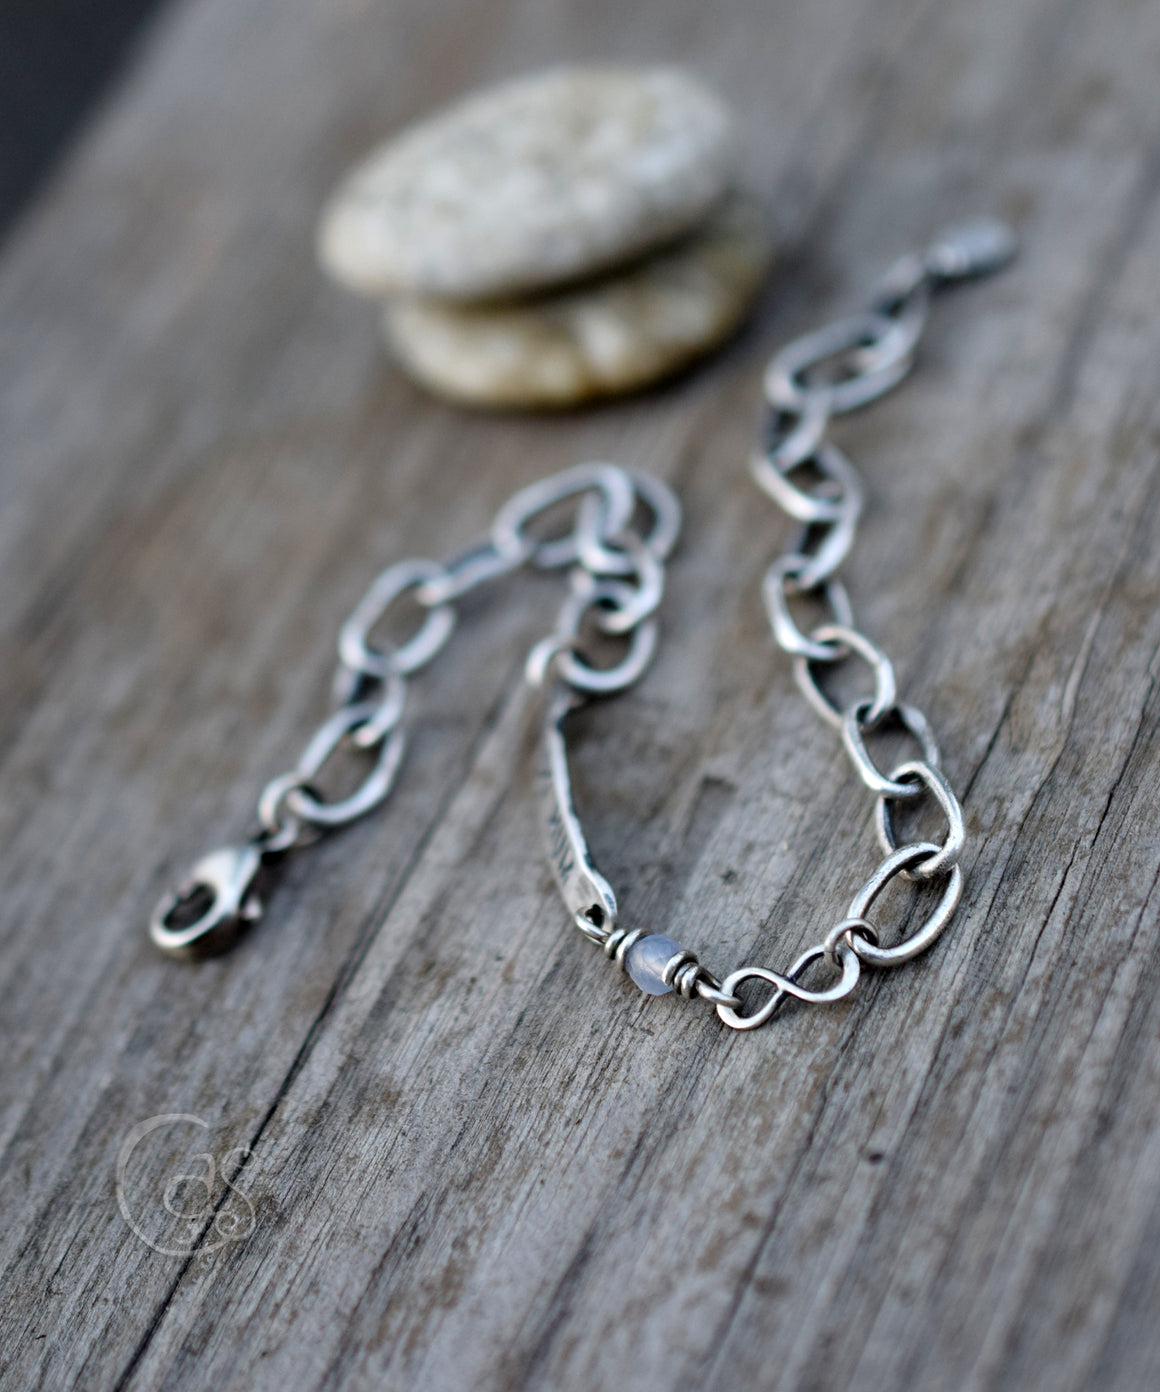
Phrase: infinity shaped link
(787,986)
(901,861)
(930,779)
(354,647)
(327,739)
(885,687)
(779,583)
(854,731)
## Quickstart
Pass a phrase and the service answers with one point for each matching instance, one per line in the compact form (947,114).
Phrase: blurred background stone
(538,181)
(564,236)
(599,338)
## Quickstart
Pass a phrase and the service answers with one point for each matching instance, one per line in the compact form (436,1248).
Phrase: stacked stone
(567,236)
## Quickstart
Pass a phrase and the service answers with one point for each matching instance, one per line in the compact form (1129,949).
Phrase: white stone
(607,336)
(530,184)
(645,961)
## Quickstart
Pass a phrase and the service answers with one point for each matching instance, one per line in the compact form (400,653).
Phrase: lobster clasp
(209,909)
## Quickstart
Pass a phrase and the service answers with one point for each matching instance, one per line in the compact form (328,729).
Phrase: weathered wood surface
(478,1158)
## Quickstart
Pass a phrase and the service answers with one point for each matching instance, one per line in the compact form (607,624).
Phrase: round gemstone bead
(645,962)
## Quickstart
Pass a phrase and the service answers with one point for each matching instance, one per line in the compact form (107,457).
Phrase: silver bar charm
(585,891)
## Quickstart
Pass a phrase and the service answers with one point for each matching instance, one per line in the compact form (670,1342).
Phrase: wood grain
(477,1159)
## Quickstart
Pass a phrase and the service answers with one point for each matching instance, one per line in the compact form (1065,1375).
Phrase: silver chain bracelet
(616,580)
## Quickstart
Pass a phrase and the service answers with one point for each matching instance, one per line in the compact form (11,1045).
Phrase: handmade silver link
(328,739)
(839,494)
(387,710)
(904,861)
(845,932)
(823,374)
(354,647)
(780,583)
(792,436)
(622,606)
(885,686)
(604,681)
(662,502)
(856,726)
(825,545)
(787,985)
(596,546)
(872,351)
(588,594)
(280,828)
(478,565)
(931,780)
(509,532)
(616,580)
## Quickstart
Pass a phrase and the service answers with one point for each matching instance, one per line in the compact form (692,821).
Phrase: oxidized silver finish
(839,493)
(871,351)
(779,585)
(926,779)
(847,640)
(584,890)
(823,374)
(616,580)
(509,530)
(354,647)
(340,729)
(904,860)
(856,724)
(226,878)
(787,985)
